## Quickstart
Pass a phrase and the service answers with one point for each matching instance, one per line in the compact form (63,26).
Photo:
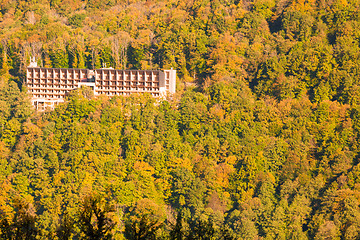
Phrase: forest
(260,141)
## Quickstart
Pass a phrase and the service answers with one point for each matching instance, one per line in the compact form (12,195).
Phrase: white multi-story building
(49,86)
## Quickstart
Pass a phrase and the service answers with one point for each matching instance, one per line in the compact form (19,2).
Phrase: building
(49,86)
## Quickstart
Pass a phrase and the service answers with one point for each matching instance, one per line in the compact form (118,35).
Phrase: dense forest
(261,140)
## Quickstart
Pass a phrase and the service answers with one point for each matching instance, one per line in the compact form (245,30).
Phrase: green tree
(95,218)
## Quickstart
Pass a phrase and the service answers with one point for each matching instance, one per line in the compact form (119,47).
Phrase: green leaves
(261,140)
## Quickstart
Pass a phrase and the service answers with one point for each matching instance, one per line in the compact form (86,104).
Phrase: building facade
(49,86)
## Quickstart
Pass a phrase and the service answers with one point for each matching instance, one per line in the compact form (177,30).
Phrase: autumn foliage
(261,140)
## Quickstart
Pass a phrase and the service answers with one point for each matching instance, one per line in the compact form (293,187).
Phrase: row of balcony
(34,86)
(34,91)
(154,79)
(138,84)
(98,81)
(39,73)
(108,93)
(52,82)
(48,96)
(128,88)
(37,81)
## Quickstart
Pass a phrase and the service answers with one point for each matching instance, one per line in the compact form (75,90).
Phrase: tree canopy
(261,140)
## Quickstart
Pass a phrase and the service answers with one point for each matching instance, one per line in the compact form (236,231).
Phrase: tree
(177,232)
(145,219)
(143,229)
(22,224)
(66,228)
(202,230)
(96,218)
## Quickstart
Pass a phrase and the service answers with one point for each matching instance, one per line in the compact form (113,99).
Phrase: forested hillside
(261,140)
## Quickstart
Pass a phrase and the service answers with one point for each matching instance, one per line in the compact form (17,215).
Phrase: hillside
(261,140)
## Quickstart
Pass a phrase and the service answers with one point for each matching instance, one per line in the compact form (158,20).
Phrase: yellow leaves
(58,177)
(5,188)
(94,42)
(144,37)
(164,186)
(179,15)
(241,9)
(231,160)
(226,57)
(31,129)
(341,3)
(4,3)
(257,47)
(247,194)
(304,5)
(142,184)
(4,151)
(182,200)
(149,208)
(223,172)
(271,177)
(88,144)
(184,163)
(339,198)
(217,111)
(144,167)
(264,7)
(87,183)
(204,167)
(53,142)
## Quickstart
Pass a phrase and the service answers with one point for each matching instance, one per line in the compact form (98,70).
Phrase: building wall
(49,86)
(124,82)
